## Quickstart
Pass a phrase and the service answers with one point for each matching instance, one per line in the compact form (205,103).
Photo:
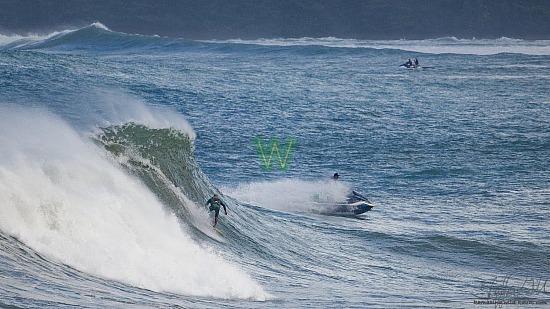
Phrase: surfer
(215,203)
(335,176)
(415,62)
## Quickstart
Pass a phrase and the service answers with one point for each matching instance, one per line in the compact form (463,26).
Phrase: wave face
(163,152)
(110,145)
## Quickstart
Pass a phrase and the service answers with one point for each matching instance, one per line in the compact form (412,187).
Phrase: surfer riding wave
(215,203)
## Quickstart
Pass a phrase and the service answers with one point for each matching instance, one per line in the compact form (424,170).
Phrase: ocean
(111,143)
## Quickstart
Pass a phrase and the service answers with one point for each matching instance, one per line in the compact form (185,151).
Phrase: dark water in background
(102,202)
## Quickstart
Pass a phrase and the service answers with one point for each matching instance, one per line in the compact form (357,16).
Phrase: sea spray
(290,194)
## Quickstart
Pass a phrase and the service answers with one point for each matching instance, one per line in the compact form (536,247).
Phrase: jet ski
(354,205)
(409,65)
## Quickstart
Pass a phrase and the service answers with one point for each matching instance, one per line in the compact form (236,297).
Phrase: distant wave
(92,38)
(97,37)
(20,42)
(447,45)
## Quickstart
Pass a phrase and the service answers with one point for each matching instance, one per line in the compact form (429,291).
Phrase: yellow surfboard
(217,230)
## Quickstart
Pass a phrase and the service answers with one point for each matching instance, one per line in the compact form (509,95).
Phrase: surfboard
(217,230)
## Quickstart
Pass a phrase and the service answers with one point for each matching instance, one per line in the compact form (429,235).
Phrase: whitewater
(111,143)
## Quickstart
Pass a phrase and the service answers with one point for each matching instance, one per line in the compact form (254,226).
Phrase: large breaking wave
(123,214)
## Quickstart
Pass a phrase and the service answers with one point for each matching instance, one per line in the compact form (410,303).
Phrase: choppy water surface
(111,143)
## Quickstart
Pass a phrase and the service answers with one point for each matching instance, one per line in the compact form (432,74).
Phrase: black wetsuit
(215,203)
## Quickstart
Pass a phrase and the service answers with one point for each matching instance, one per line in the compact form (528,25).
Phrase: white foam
(289,194)
(61,195)
(21,41)
(99,25)
(104,108)
(8,39)
(432,46)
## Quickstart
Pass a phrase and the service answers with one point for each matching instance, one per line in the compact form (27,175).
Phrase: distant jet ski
(355,205)
(409,66)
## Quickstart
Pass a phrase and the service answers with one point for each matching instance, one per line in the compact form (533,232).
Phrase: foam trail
(62,196)
(288,194)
